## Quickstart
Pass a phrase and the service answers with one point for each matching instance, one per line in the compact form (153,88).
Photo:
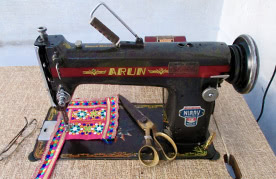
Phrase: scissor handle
(170,140)
(149,163)
(153,162)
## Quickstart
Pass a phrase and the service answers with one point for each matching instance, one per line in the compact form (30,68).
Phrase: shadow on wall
(268,121)
(198,20)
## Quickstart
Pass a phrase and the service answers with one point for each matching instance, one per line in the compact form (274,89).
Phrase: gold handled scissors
(152,137)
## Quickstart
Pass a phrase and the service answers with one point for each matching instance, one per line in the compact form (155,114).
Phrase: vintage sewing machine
(190,71)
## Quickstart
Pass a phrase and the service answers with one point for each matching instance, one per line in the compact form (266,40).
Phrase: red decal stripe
(175,38)
(150,39)
(179,39)
(163,71)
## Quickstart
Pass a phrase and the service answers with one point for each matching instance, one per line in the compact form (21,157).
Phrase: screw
(78,44)
(43,35)
(211,95)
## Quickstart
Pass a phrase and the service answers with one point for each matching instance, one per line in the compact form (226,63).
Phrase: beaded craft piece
(52,150)
(93,119)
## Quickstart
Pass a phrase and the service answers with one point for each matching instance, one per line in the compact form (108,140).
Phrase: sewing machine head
(190,71)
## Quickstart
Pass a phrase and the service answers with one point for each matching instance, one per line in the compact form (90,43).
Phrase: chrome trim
(252,61)
(220,76)
(57,69)
(62,97)
(42,33)
(210,94)
(44,78)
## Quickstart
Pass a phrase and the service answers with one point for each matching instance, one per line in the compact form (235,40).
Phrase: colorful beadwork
(86,103)
(88,114)
(86,129)
(114,123)
(93,119)
(52,151)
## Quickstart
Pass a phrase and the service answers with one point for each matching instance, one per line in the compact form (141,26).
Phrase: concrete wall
(198,20)
(256,18)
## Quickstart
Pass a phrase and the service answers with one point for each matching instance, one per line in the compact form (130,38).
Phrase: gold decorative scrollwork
(159,71)
(198,151)
(94,72)
(100,155)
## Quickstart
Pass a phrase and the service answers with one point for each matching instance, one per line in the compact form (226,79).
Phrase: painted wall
(256,18)
(198,20)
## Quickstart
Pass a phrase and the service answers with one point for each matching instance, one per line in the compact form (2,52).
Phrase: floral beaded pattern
(86,129)
(88,114)
(93,119)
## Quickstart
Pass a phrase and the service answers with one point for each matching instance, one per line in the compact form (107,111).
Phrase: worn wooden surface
(22,93)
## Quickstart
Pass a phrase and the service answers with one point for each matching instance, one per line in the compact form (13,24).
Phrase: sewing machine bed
(126,145)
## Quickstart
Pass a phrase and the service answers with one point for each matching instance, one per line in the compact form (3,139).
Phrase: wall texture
(256,18)
(198,20)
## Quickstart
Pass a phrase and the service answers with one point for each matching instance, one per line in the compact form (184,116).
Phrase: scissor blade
(132,110)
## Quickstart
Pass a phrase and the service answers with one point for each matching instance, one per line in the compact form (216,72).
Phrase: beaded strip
(114,116)
(52,150)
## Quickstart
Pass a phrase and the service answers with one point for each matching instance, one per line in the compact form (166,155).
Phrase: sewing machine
(190,71)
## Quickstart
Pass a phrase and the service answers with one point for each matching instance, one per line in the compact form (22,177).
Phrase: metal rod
(57,69)
(65,116)
(112,12)
(223,141)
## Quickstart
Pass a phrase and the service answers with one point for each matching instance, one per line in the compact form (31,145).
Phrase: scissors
(151,136)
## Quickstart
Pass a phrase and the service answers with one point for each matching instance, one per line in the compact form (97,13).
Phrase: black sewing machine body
(187,70)
(191,72)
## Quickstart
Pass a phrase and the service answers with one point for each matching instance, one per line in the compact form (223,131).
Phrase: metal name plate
(47,129)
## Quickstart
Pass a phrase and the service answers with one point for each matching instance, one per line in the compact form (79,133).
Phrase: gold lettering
(121,71)
(141,71)
(129,71)
(112,71)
